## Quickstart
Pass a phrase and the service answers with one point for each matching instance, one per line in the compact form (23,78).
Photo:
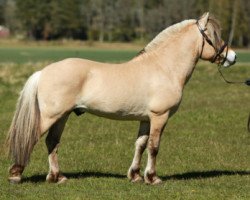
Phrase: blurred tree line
(119,20)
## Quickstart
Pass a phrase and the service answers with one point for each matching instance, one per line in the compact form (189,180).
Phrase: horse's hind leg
(52,142)
(15,173)
(140,145)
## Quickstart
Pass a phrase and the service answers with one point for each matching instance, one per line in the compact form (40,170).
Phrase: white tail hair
(24,131)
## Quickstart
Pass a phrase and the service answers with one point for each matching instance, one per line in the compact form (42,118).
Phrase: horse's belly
(112,112)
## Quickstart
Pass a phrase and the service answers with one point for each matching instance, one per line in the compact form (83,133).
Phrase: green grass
(204,152)
(35,54)
(243,56)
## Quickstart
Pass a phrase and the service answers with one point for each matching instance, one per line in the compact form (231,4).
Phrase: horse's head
(213,48)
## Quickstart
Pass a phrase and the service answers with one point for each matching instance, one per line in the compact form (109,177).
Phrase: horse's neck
(178,56)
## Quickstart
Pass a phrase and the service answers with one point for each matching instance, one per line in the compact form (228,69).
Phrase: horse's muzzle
(231,59)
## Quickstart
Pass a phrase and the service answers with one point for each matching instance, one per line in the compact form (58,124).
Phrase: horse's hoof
(61,179)
(15,173)
(152,179)
(157,181)
(14,179)
(52,178)
(137,179)
(134,176)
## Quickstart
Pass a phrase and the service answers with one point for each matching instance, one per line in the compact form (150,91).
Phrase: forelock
(214,29)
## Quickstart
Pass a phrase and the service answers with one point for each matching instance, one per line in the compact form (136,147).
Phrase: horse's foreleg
(157,124)
(52,142)
(140,145)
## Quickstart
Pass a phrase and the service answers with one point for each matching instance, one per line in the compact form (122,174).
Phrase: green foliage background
(119,20)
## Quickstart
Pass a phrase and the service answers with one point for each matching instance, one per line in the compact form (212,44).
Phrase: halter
(218,51)
(218,54)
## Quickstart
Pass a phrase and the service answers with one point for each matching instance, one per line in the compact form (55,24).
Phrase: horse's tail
(24,131)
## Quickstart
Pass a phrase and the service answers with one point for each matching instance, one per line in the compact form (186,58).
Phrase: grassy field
(33,54)
(204,151)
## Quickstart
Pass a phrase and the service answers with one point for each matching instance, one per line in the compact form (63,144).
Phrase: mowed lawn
(204,152)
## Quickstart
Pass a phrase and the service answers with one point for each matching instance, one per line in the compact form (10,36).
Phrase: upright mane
(213,27)
(163,35)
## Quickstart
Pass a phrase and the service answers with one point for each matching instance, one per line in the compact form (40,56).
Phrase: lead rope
(247,82)
(248,124)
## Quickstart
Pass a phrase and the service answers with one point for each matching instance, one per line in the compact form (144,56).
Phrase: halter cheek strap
(202,31)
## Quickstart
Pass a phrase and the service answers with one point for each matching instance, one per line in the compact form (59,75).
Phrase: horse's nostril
(235,57)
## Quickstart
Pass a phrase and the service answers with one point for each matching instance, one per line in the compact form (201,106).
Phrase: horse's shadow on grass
(183,176)
(74,175)
(204,174)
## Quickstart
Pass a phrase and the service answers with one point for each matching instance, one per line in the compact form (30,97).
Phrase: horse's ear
(203,20)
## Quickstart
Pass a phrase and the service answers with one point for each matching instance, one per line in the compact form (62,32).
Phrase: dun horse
(147,88)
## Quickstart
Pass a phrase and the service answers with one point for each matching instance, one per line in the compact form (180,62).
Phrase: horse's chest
(165,99)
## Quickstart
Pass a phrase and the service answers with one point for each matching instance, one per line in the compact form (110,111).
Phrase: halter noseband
(218,52)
